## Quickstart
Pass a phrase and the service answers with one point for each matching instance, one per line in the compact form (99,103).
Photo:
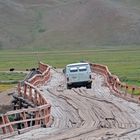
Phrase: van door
(73,74)
(83,73)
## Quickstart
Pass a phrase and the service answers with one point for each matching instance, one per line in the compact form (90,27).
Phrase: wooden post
(49,112)
(6,119)
(25,90)
(37,116)
(126,90)
(109,79)
(24,118)
(35,97)
(133,90)
(19,89)
(139,99)
(4,128)
(114,83)
(45,114)
(119,86)
(30,93)
(40,99)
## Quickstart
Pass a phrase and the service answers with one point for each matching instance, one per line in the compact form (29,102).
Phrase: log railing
(129,92)
(41,78)
(22,120)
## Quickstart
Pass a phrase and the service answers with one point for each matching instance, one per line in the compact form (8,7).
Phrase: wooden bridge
(33,109)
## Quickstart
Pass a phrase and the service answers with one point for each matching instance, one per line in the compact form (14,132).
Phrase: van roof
(77,64)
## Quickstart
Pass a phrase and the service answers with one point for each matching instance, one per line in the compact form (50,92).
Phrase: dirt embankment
(5,100)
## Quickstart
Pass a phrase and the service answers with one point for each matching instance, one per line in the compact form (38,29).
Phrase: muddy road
(86,114)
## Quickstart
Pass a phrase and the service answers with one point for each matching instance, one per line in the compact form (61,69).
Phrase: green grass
(11,76)
(122,61)
(10,79)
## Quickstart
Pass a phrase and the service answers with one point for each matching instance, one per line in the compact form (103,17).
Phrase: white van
(78,74)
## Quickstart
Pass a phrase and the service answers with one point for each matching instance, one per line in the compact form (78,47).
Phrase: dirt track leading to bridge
(81,113)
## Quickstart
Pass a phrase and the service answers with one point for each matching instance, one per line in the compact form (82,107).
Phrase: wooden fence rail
(128,92)
(21,120)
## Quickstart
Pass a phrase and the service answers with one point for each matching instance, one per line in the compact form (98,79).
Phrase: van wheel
(88,86)
(68,86)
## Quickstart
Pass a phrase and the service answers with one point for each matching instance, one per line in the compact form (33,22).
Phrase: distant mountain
(68,23)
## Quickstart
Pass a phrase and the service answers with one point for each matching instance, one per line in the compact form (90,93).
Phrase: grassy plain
(10,79)
(11,76)
(122,61)
(4,87)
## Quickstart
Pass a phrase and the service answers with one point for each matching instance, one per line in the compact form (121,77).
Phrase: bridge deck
(82,113)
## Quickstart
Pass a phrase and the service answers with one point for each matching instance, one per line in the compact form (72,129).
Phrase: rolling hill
(60,24)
